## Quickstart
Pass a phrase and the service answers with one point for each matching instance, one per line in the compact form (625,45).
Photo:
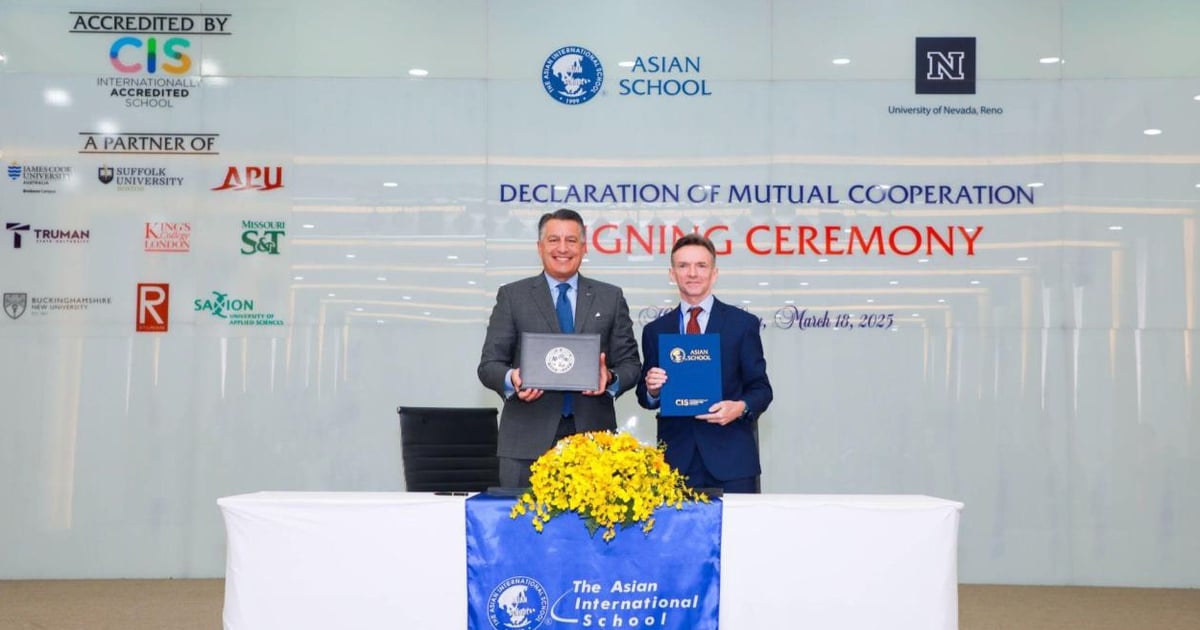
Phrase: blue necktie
(566,322)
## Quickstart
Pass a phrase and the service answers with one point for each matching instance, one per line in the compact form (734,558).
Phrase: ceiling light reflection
(57,97)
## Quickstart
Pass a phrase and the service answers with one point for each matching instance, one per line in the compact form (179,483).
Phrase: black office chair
(449,448)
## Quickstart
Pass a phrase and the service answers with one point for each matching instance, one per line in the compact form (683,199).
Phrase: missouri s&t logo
(261,237)
(572,75)
(153,306)
(945,65)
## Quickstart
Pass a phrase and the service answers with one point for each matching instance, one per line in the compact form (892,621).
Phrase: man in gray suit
(532,420)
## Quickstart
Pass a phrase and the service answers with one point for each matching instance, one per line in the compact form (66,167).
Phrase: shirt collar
(573,281)
(706,304)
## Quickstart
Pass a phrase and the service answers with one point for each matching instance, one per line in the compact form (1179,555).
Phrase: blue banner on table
(693,366)
(565,577)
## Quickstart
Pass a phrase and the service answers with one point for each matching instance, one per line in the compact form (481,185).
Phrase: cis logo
(170,50)
(252,178)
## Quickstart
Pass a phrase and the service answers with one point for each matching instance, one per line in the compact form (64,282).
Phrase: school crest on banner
(519,579)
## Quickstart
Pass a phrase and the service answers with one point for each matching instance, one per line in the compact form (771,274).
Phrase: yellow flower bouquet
(607,479)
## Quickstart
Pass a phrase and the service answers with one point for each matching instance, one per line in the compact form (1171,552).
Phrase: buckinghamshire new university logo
(14,304)
(945,65)
(572,75)
(518,602)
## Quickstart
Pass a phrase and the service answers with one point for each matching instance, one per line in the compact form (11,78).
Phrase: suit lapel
(715,318)
(539,296)
(584,302)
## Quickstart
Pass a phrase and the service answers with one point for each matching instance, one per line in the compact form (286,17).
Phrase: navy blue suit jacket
(730,451)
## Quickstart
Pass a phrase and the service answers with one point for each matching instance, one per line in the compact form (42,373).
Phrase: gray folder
(560,362)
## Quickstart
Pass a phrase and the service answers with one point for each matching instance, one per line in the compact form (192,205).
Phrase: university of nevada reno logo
(945,65)
(572,75)
(518,603)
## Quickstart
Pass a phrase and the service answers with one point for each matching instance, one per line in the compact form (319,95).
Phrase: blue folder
(693,365)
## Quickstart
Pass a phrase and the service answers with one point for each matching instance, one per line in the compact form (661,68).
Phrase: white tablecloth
(359,561)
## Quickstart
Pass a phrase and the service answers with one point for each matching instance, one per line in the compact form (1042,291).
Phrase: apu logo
(153,307)
(572,75)
(945,65)
(16,229)
(254,178)
(169,50)
(518,602)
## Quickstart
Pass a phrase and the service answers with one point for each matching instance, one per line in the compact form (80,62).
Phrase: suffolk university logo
(572,75)
(945,65)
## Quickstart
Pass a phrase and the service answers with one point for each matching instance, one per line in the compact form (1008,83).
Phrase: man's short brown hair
(695,239)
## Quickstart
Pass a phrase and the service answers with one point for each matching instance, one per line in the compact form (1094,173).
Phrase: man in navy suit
(718,449)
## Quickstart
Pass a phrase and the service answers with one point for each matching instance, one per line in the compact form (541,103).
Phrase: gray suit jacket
(527,429)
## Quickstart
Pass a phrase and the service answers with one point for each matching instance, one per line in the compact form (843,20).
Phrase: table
(319,560)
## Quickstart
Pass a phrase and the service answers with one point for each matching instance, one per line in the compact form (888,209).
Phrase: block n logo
(945,65)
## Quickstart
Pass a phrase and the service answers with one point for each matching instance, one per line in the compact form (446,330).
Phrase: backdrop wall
(239,234)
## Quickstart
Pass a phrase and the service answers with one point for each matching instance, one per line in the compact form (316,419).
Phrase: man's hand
(655,379)
(605,379)
(526,395)
(724,412)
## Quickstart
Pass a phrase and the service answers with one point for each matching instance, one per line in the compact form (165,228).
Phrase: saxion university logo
(519,603)
(572,75)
